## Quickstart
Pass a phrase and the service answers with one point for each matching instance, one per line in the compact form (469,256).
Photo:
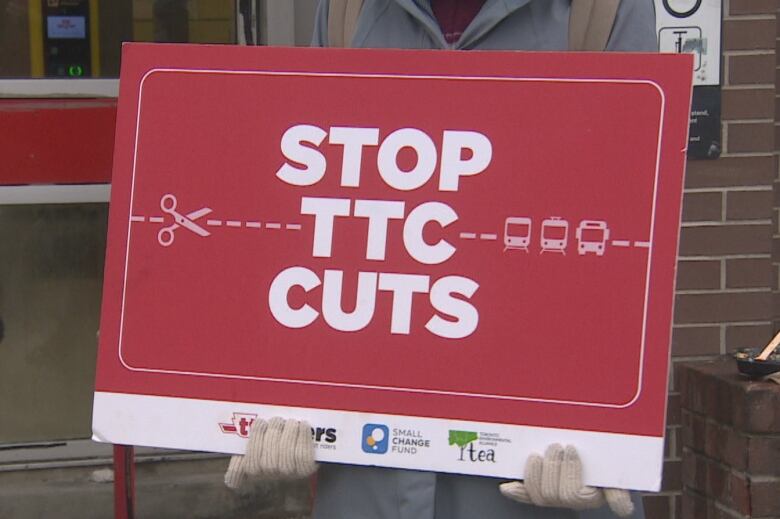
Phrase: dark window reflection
(82,38)
(51,273)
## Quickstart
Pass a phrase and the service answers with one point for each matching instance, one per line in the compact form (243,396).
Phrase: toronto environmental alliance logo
(476,447)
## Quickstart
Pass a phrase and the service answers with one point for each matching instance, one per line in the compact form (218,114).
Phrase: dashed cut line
(251,224)
(642,244)
(481,236)
(621,243)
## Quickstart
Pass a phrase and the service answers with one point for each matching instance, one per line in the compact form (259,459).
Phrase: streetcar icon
(517,233)
(555,235)
(592,236)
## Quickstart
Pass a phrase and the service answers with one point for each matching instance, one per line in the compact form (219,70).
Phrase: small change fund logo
(375,438)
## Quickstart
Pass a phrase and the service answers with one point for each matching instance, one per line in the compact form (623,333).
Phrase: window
(82,38)
(52,224)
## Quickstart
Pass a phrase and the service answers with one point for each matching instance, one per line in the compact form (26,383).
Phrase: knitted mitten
(235,474)
(556,481)
(277,449)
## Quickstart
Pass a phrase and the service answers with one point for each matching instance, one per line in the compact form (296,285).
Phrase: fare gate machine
(67,39)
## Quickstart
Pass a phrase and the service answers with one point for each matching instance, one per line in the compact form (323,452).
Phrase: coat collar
(492,13)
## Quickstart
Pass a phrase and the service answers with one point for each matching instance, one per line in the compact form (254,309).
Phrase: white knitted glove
(277,449)
(556,481)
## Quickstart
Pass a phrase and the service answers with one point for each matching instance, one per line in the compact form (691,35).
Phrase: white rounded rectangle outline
(644,82)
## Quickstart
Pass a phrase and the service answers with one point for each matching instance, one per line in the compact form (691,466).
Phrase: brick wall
(776,211)
(730,443)
(725,280)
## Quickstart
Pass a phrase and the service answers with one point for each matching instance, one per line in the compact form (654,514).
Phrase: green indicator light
(75,71)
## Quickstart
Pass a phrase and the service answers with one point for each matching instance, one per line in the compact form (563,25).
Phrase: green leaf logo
(462,438)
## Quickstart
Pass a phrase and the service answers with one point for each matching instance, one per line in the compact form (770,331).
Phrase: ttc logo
(240,424)
(375,438)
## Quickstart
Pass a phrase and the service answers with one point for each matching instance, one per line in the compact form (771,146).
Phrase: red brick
(672,476)
(758,103)
(673,409)
(714,480)
(657,507)
(719,307)
(690,342)
(694,471)
(776,303)
(726,444)
(761,412)
(692,436)
(749,273)
(765,498)
(764,455)
(716,389)
(748,34)
(694,505)
(747,336)
(676,432)
(737,7)
(671,445)
(735,492)
(706,394)
(702,207)
(751,138)
(751,69)
(749,205)
(731,171)
(698,275)
(715,240)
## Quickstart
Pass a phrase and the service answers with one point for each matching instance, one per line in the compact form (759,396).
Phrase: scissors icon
(168,205)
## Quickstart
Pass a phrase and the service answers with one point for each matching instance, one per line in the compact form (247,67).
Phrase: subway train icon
(517,233)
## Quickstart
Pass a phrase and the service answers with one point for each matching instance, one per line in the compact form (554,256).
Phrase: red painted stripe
(56,141)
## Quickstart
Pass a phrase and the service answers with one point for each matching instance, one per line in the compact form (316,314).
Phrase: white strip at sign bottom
(476,448)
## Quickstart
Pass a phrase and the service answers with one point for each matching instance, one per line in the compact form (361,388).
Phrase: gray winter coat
(500,25)
(352,492)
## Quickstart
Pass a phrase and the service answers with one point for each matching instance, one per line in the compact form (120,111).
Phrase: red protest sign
(447,240)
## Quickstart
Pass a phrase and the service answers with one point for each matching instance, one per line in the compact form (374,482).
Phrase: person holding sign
(553,485)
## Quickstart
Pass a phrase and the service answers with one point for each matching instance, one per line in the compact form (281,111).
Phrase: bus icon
(592,236)
(555,235)
(517,233)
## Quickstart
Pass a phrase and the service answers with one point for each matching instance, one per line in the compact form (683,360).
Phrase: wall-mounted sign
(694,26)
(449,259)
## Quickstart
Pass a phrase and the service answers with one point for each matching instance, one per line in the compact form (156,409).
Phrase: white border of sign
(195,425)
